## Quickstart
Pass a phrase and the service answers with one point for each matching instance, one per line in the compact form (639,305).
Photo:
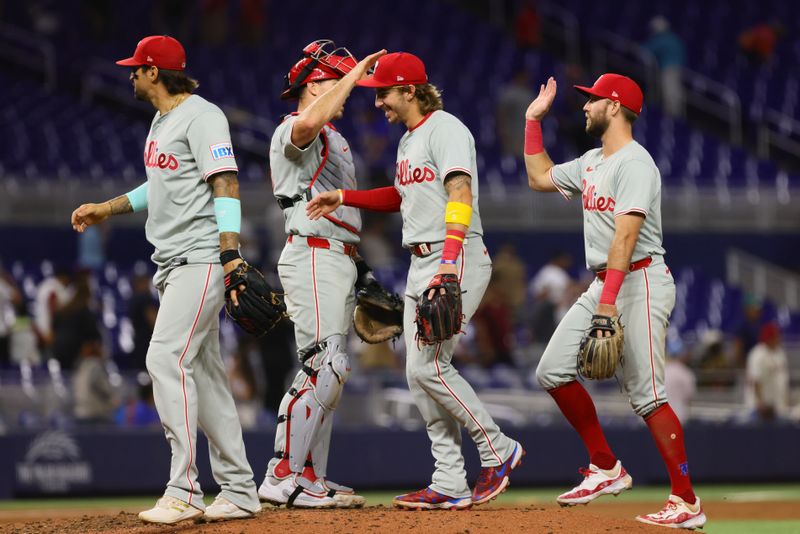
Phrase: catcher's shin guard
(321,446)
(307,414)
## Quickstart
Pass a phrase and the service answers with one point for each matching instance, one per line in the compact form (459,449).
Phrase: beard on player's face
(597,121)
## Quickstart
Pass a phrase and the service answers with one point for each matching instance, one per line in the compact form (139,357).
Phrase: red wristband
(453,241)
(533,138)
(381,199)
(611,285)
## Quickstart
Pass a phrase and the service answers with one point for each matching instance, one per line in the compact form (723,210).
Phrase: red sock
(668,435)
(577,406)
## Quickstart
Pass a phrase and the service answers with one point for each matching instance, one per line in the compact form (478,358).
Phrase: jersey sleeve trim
(631,210)
(218,170)
(560,189)
(459,170)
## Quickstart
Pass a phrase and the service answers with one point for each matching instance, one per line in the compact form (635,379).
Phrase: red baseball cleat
(494,480)
(428,499)
(677,513)
(596,483)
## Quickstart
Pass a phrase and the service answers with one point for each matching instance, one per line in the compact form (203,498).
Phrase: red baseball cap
(616,87)
(159,51)
(397,68)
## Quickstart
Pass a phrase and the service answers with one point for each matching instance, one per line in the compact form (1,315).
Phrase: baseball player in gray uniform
(436,173)
(620,187)
(318,272)
(193,212)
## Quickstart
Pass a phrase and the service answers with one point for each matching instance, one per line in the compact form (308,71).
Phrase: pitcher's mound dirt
(539,519)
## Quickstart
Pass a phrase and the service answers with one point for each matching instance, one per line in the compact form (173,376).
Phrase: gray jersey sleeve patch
(210,143)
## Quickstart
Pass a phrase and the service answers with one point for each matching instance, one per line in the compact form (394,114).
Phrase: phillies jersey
(628,181)
(439,145)
(184,148)
(326,164)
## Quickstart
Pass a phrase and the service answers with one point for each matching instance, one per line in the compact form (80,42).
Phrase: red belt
(635,266)
(321,242)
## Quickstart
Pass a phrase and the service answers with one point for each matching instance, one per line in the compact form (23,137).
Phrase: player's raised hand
(541,104)
(322,204)
(361,68)
(88,214)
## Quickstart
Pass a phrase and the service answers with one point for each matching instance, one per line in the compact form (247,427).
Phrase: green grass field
(744,493)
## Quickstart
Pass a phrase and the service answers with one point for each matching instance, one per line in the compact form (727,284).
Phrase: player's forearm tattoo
(226,184)
(456,182)
(120,205)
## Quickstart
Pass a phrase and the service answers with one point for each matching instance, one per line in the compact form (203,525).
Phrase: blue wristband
(450,262)
(138,198)
(229,214)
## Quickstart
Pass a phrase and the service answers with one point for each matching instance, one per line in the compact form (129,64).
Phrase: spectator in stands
(767,393)
(95,397)
(52,293)
(713,360)
(747,332)
(680,383)
(758,42)
(670,53)
(511,274)
(75,324)
(10,299)
(494,333)
(142,312)
(24,344)
(512,102)
(549,290)
(140,410)
(528,26)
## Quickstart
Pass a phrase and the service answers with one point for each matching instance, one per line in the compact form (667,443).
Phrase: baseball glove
(439,318)
(378,315)
(260,309)
(598,357)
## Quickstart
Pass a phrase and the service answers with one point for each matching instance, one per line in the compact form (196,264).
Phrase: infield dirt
(616,518)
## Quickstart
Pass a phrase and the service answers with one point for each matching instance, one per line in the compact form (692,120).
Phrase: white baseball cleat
(279,491)
(222,509)
(677,513)
(169,510)
(596,483)
(345,497)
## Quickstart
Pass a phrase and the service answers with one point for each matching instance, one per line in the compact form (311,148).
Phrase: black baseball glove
(260,309)
(439,318)
(598,357)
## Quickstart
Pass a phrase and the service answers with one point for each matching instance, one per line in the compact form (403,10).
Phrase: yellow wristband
(341,196)
(458,213)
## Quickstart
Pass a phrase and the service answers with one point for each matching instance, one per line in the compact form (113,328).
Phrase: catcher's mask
(321,60)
